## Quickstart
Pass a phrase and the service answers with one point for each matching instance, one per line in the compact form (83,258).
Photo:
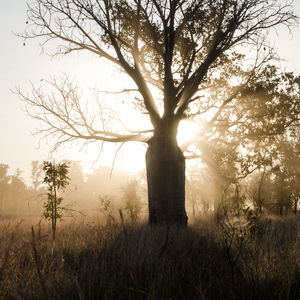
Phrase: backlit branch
(245,23)
(73,22)
(65,115)
(169,44)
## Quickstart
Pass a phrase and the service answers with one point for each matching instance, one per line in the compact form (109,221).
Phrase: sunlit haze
(150,149)
(22,64)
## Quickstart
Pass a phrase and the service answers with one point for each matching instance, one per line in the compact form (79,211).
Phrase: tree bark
(165,166)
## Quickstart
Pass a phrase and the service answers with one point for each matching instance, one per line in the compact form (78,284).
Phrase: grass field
(93,260)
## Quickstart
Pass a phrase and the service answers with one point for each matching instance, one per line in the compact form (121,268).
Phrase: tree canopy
(175,46)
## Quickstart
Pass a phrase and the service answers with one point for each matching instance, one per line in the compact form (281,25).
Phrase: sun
(187,130)
(131,156)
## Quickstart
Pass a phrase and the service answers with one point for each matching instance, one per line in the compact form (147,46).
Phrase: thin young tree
(172,46)
(56,178)
(4,185)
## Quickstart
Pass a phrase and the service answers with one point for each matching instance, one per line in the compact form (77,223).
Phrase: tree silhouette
(178,48)
(248,138)
(56,178)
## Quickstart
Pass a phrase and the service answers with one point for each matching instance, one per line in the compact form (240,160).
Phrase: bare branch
(63,114)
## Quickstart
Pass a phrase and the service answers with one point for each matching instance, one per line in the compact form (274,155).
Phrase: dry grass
(92,260)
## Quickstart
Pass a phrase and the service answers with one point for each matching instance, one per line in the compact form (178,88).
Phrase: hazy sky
(20,65)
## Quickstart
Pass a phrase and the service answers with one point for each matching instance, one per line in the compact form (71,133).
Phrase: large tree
(178,48)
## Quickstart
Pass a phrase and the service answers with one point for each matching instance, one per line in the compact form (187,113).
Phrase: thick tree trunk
(165,165)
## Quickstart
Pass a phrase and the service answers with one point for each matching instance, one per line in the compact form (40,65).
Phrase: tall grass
(93,260)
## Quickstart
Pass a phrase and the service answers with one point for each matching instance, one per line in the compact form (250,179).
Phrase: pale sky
(19,65)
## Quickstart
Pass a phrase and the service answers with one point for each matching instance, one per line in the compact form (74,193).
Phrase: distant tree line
(84,193)
(265,178)
(14,193)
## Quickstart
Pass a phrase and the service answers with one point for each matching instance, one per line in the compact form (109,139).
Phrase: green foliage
(52,207)
(56,178)
(56,175)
